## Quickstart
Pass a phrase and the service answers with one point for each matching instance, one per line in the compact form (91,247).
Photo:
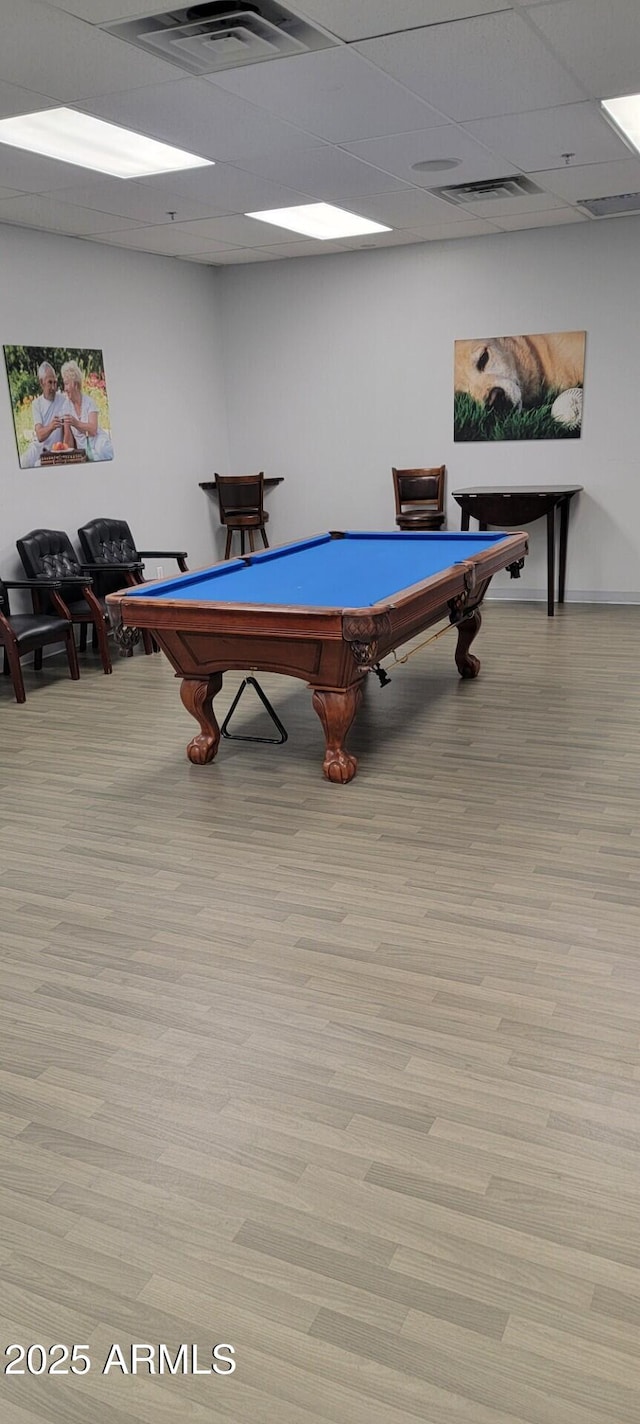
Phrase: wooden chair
(22,633)
(241,502)
(419,497)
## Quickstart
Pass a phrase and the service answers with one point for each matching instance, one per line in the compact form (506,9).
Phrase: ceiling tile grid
(475,89)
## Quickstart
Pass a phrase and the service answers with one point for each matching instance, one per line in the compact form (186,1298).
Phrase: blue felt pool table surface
(354,570)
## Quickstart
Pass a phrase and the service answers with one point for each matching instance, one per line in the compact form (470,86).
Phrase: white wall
(337,368)
(327,371)
(156,322)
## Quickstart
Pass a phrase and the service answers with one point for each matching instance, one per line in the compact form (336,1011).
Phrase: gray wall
(156,321)
(337,368)
(327,371)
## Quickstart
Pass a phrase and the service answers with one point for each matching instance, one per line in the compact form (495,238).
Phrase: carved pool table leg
(197,697)
(336,710)
(466,663)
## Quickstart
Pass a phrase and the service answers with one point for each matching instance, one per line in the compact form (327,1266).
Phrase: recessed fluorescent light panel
(624,114)
(319,220)
(90,143)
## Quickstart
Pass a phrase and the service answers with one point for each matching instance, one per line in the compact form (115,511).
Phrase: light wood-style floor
(347,1077)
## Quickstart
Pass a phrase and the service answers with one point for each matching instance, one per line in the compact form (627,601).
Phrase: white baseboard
(539,595)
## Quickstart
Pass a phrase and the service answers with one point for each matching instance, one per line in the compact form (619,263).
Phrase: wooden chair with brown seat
(22,633)
(241,502)
(419,497)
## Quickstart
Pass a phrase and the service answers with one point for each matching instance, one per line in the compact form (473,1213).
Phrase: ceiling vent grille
(224,34)
(608,207)
(516,186)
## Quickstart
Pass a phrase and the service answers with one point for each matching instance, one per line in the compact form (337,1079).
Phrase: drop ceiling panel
(404,238)
(406,208)
(201,117)
(302,248)
(14,100)
(540,139)
(325,174)
(234,256)
(53,53)
(334,93)
(594,180)
(400,152)
(130,199)
(236,231)
(37,210)
(171,240)
(359,19)
(224,189)
(601,41)
(556,217)
(477,68)
(445,232)
(102,12)
(494,208)
(30,173)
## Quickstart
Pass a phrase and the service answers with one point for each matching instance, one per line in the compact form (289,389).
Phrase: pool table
(325,609)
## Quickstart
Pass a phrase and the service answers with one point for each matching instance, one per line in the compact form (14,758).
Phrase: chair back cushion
(49,554)
(240,494)
(419,486)
(107,541)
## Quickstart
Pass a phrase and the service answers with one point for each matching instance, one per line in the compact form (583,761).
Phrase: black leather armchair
(109,542)
(110,549)
(22,633)
(48,558)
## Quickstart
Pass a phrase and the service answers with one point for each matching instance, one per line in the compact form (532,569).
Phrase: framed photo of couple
(60,405)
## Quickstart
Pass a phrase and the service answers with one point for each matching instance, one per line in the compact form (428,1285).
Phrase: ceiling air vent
(224,34)
(608,207)
(517,186)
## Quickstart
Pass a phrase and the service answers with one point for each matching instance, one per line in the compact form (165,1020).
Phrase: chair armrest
(110,568)
(81,580)
(31,583)
(162,554)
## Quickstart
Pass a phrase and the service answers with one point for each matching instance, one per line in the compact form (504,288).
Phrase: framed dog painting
(519,387)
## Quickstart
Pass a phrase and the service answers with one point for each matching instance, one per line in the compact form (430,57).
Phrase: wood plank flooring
(346,1077)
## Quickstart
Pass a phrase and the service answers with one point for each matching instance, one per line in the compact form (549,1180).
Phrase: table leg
(551,577)
(564,535)
(464,518)
(466,663)
(336,710)
(197,696)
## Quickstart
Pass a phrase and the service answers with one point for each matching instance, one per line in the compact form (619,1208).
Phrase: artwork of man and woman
(60,405)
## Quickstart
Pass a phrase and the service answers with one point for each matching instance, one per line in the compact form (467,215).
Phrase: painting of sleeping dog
(519,387)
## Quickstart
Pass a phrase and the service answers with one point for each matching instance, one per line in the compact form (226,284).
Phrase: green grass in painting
(472,421)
